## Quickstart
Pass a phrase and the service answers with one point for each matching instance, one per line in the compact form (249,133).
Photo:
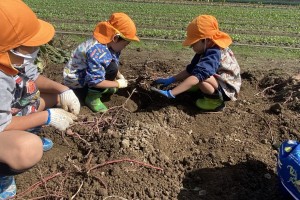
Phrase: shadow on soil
(247,180)
(148,101)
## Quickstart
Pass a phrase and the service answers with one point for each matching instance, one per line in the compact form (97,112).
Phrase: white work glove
(120,76)
(122,83)
(69,101)
(60,118)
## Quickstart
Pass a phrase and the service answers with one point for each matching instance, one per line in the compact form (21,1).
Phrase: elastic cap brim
(44,35)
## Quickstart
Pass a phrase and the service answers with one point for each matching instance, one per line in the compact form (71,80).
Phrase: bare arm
(27,122)
(107,84)
(46,85)
(185,85)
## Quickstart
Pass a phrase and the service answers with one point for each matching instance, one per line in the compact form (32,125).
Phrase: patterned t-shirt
(220,63)
(19,95)
(88,64)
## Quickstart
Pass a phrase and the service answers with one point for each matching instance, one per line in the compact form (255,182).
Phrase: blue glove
(166,93)
(165,81)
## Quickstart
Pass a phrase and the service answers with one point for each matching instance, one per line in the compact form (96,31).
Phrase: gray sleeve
(31,72)
(7,84)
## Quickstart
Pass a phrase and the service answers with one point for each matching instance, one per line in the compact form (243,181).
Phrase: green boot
(93,101)
(211,103)
(194,88)
(110,91)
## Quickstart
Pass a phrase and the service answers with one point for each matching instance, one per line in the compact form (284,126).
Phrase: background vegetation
(162,23)
(258,24)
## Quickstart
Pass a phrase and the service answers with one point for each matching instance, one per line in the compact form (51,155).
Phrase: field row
(246,2)
(246,24)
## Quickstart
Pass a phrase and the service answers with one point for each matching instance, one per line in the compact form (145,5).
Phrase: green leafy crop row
(249,24)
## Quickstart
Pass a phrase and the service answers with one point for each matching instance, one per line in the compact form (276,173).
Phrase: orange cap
(206,26)
(20,26)
(119,23)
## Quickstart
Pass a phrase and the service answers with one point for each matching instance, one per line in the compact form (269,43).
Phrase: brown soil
(150,147)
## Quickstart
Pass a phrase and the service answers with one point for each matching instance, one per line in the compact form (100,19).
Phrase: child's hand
(165,81)
(70,102)
(166,93)
(122,83)
(120,76)
(60,118)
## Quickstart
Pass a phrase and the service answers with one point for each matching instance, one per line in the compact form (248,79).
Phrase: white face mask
(28,58)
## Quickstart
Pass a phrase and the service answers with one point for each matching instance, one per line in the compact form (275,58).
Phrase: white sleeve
(31,72)
(7,84)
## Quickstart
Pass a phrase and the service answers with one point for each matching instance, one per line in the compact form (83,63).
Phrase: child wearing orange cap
(94,64)
(24,93)
(213,70)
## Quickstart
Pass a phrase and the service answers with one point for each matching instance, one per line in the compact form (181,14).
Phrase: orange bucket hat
(20,26)
(119,23)
(206,26)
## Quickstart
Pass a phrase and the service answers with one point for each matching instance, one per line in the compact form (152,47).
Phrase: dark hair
(119,38)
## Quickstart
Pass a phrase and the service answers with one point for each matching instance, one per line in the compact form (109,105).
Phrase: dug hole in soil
(150,147)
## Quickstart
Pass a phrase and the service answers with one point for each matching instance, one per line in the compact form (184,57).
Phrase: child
(24,93)
(94,63)
(213,70)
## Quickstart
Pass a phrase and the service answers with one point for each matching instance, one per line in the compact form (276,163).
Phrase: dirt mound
(282,89)
(150,147)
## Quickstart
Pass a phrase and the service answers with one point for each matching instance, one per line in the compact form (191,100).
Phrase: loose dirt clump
(150,147)
(282,89)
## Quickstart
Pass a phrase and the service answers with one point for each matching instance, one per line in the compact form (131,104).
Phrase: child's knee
(207,87)
(28,152)
(111,71)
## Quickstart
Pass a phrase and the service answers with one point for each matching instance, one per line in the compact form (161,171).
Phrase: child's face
(118,45)
(199,47)
(23,50)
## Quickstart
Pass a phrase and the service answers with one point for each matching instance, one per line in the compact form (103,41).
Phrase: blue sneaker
(8,187)
(47,144)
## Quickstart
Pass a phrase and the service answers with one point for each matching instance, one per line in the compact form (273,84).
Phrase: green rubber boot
(211,103)
(93,101)
(110,91)
(194,88)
